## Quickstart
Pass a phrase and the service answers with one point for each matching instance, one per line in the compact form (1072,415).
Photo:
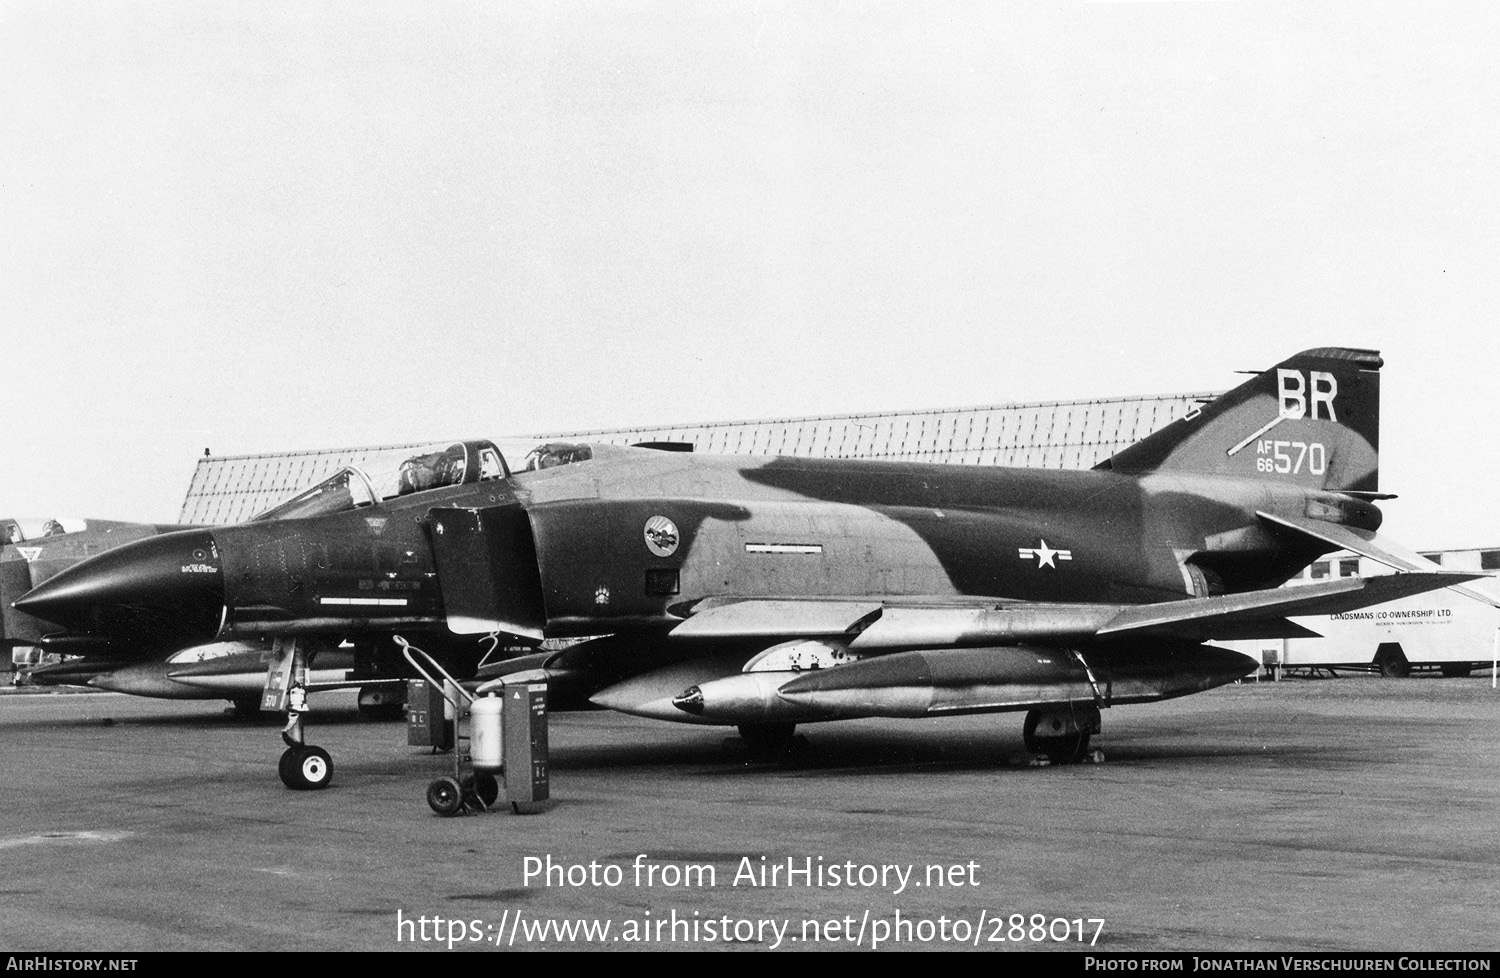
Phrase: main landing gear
(1061,734)
(771,741)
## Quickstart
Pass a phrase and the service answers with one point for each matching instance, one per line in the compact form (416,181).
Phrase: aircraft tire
(446,797)
(305,768)
(284,765)
(767,739)
(1066,749)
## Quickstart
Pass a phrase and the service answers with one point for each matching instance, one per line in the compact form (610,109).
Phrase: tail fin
(1312,420)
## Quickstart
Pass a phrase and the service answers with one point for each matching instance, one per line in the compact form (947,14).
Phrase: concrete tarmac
(1312,815)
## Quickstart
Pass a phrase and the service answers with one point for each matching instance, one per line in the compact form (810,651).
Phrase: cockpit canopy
(346,489)
(401,472)
(21,530)
(556,453)
(453,464)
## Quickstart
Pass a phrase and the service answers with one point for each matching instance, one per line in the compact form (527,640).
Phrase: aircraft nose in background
(164,586)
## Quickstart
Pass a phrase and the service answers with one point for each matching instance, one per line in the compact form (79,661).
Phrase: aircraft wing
(875,626)
(1368,543)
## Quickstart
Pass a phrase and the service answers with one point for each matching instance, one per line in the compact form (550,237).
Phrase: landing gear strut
(1061,733)
(302,767)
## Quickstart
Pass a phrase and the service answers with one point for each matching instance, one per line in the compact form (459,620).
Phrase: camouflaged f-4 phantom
(767,592)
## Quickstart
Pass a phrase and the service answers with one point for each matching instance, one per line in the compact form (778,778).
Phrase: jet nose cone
(165,587)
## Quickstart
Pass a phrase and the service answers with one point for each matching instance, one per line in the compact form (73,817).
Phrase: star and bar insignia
(1045,556)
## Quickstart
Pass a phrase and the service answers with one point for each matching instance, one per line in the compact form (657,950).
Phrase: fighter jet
(162,664)
(31,551)
(768,592)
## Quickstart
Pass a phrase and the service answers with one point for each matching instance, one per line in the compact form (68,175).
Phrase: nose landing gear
(302,767)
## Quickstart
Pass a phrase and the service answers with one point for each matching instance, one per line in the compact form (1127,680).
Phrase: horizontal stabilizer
(777,618)
(1261,614)
(1368,543)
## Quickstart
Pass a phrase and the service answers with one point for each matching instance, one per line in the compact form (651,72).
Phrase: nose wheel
(305,768)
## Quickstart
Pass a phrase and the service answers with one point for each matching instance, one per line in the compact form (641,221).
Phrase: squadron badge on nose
(661,536)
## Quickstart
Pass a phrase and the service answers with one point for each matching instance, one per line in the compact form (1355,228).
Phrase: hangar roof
(1048,434)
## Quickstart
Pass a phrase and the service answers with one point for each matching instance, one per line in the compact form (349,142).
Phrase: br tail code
(1301,396)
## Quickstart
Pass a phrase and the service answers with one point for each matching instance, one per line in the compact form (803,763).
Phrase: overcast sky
(271,226)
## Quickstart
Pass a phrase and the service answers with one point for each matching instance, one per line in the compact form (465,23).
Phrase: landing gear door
(284,671)
(487,570)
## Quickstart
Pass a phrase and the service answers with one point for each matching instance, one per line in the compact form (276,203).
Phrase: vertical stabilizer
(1312,421)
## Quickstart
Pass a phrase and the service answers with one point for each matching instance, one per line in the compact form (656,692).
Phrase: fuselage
(633,538)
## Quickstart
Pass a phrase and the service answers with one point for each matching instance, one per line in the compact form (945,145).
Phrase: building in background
(1051,434)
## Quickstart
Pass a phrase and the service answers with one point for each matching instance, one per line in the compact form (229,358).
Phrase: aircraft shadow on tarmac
(875,752)
(866,751)
(209,718)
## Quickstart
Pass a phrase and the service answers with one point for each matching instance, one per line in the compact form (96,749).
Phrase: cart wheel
(445,797)
(470,792)
(480,790)
(484,786)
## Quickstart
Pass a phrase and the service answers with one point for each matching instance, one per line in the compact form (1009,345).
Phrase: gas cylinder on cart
(485,737)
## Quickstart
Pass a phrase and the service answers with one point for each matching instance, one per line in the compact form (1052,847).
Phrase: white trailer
(1442,630)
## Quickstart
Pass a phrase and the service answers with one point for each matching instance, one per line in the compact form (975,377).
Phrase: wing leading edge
(871,625)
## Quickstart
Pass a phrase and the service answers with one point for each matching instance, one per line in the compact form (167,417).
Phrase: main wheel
(305,768)
(767,739)
(445,797)
(1063,748)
